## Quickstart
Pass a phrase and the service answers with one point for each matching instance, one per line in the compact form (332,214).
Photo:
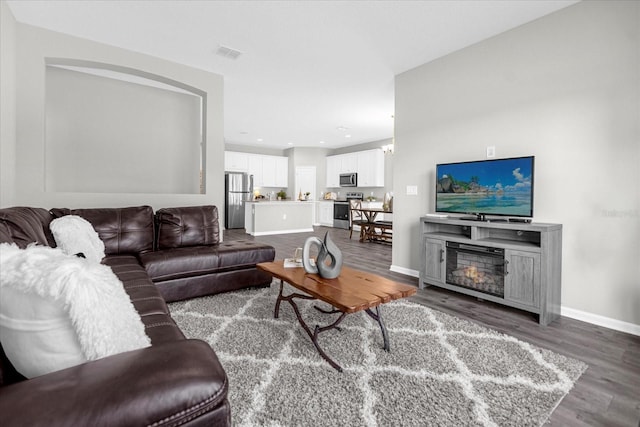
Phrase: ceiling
(310,73)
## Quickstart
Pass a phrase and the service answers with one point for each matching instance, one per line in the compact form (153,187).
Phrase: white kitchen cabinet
(368,164)
(349,163)
(267,171)
(325,213)
(370,168)
(236,162)
(344,163)
(340,163)
(333,171)
(255,169)
(275,171)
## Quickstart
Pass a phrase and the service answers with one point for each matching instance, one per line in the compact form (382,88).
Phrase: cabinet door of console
(434,260)
(522,281)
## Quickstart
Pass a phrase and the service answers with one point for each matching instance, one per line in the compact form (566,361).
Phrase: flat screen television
(502,187)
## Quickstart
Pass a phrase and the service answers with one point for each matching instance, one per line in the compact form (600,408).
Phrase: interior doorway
(306,181)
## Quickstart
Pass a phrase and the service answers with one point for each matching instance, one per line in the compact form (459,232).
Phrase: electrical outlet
(412,190)
(491,151)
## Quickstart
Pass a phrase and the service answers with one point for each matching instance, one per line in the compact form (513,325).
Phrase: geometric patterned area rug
(440,370)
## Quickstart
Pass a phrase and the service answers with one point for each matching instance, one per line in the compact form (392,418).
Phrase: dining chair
(356,217)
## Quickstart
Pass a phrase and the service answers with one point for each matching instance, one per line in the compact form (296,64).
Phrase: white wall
(33,45)
(565,88)
(154,149)
(7,106)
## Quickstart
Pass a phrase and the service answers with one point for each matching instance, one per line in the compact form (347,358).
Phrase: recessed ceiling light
(321,142)
(289,143)
(259,139)
(342,128)
(347,136)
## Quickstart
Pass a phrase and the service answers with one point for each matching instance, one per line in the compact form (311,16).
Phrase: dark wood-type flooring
(607,394)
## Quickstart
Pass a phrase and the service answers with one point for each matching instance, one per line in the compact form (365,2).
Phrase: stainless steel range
(341,209)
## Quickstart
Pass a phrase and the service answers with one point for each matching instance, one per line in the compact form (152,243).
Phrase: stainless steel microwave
(349,179)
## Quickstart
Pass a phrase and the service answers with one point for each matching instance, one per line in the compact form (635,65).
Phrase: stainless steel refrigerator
(238,187)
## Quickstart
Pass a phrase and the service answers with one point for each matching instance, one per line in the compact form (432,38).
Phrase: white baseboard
(595,319)
(269,233)
(405,271)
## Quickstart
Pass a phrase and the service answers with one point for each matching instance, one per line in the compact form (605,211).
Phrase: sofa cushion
(58,310)
(214,283)
(194,261)
(123,230)
(75,235)
(24,225)
(244,253)
(187,226)
(146,298)
(168,264)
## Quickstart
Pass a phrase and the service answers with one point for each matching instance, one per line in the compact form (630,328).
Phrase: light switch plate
(491,151)
(412,190)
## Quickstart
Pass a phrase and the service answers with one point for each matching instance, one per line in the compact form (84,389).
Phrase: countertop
(280,202)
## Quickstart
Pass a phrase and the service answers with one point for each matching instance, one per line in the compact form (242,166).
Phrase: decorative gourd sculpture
(325,249)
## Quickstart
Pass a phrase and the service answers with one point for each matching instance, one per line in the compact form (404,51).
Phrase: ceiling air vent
(228,52)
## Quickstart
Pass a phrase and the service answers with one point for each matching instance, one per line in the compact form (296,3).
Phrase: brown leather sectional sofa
(169,255)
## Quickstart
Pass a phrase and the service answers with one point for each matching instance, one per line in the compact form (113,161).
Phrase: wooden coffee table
(351,292)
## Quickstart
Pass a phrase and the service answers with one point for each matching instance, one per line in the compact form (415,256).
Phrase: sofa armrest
(166,384)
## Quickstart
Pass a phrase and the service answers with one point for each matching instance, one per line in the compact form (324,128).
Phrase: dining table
(376,231)
(371,213)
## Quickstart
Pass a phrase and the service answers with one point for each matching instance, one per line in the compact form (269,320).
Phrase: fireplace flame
(472,273)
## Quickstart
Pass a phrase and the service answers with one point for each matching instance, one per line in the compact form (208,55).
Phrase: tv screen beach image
(498,187)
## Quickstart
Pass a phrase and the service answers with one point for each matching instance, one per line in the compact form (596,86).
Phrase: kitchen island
(262,218)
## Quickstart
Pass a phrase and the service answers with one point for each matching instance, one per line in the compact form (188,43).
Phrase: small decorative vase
(386,202)
(326,249)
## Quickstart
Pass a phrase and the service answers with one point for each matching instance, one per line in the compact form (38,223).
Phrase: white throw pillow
(58,310)
(74,234)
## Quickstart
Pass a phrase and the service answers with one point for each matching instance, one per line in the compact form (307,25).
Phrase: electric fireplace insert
(479,268)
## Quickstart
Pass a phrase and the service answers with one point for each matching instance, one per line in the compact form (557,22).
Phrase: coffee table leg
(334,311)
(276,311)
(314,339)
(313,335)
(377,316)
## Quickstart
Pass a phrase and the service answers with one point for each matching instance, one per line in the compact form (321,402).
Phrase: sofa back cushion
(187,226)
(24,225)
(123,230)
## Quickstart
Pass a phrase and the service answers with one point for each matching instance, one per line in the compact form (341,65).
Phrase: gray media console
(514,264)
